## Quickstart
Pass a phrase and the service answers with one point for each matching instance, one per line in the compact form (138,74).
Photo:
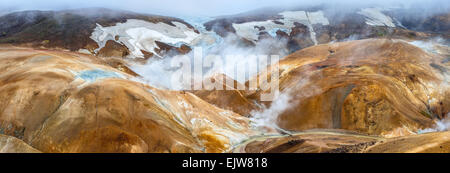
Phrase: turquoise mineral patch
(96,74)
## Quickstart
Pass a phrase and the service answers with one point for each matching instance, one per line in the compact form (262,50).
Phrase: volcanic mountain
(307,26)
(115,33)
(73,29)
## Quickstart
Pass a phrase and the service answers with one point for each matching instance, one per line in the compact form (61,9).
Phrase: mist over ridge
(213,8)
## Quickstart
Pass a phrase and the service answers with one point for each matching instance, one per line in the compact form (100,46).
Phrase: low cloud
(206,7)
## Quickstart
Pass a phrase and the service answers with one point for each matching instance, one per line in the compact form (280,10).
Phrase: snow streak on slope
(375,17)
(251,30)
(140,35)
(209,39)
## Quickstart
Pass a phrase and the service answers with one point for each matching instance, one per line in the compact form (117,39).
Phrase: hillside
(69,29)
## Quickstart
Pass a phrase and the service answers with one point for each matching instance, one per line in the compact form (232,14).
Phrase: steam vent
(268,79)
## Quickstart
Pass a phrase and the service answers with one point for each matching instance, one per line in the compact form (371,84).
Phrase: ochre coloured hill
(228,96)
(437,142)
(59,101)
(9,144)
(374,86)
(338,141)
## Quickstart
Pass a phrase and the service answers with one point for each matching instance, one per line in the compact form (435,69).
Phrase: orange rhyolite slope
(373,86)
(67,102)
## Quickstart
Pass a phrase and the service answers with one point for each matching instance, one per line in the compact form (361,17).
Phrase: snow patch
(139,35)
(375,17)
(251,30)
(207,39)
(85,51)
